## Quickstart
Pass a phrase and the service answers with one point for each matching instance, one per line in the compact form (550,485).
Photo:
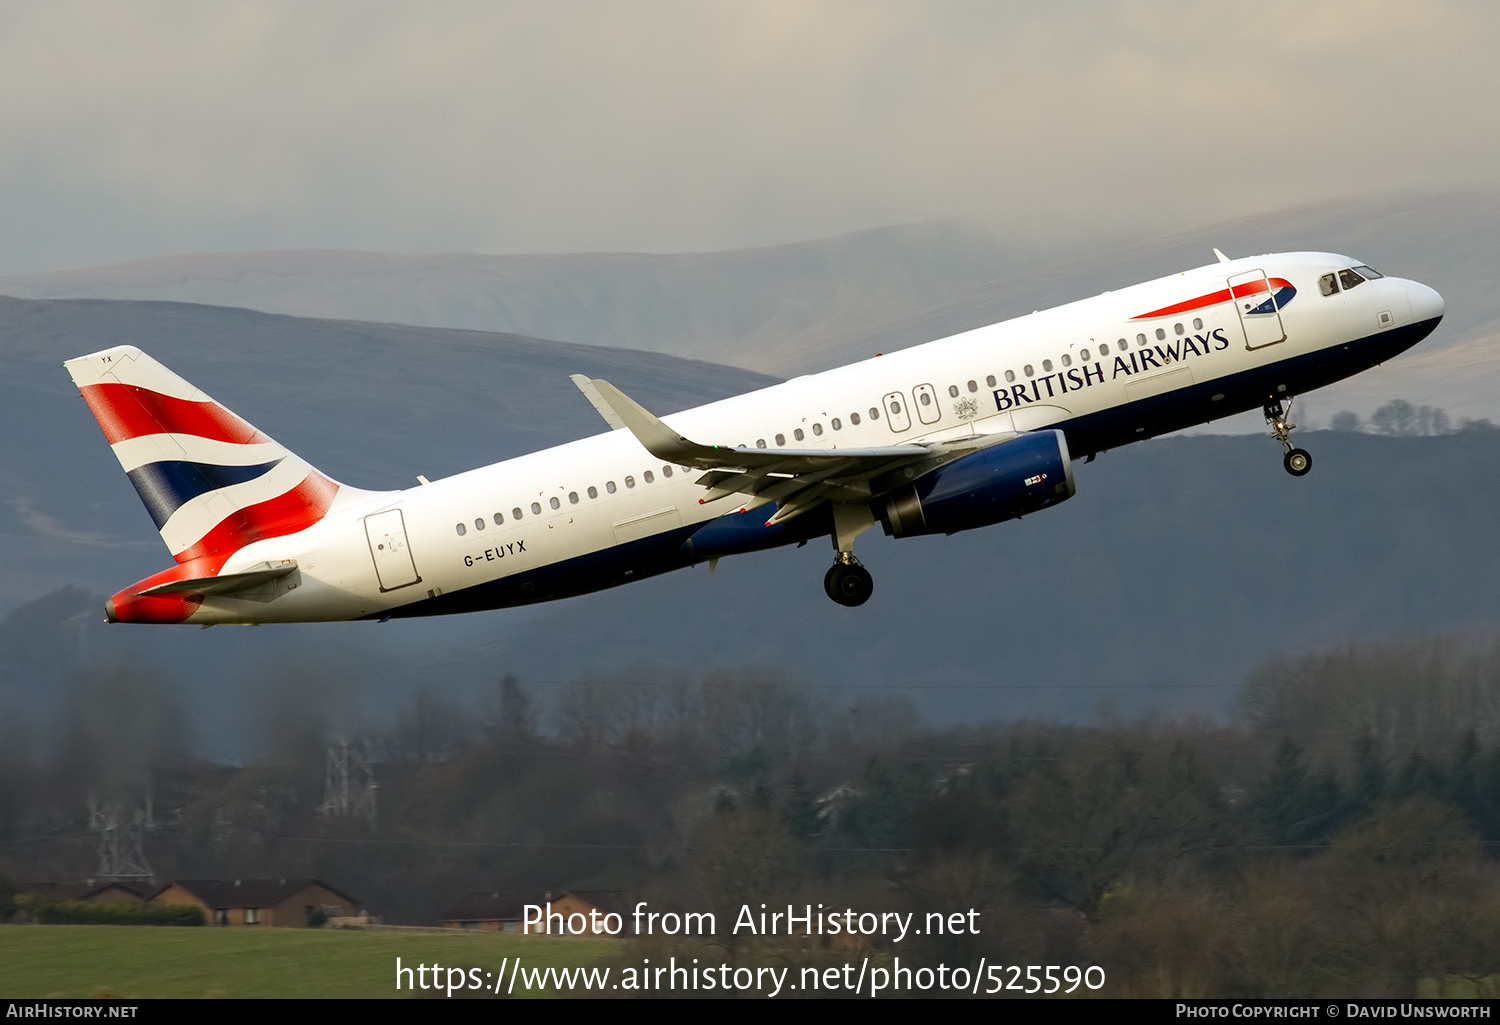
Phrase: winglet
(1221,256)
(656,437)
(597,401)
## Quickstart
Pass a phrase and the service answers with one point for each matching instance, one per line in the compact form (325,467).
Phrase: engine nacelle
(998,483)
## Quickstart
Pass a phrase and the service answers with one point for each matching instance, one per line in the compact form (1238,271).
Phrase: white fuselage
(1064,368)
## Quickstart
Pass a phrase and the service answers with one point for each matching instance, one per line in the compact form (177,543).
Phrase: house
(114,891)
(484,912)
(506,912)
(269,902)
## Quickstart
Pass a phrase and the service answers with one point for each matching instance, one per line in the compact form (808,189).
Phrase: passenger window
(1046,366)
(593,491)
(924,398)
(536,508)
(1177,328)
(989,382)
(1368,273)
(781,441)
(1027,370)
(1328,284)
(953,391)
(1010,375)
(1197,324)
(760,442)
(1067,360)
(462,530)
(1349,279)
(1161,334)
(572,498)
(1103,349)
(479,523)
(649,476)
(834,423)
(609,486)
(874,412)
(630,482)
(499,519)
(854,419)
(799,435)
(515,513)
(666,471)
(973,386)
(1122,344)
(1084,355)
(818,428)
(1139,340)
(554,503)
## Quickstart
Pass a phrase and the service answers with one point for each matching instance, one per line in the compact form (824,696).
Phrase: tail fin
(211,481)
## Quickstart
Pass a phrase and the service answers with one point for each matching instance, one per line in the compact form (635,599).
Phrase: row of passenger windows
(555,502)
(798,434)
(1083,356)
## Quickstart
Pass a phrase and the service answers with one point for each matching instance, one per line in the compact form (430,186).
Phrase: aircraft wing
(796,479)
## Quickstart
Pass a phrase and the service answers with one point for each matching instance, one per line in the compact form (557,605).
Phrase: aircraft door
(925,398)
(1255,302)
(895,411)
(386,532)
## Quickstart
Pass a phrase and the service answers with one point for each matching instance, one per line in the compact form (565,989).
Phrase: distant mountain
(746,307)
(1180,563)
(808,305)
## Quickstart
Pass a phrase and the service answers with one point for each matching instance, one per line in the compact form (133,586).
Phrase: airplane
(955,434)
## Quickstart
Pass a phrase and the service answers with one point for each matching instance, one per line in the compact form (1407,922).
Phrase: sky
(151,128)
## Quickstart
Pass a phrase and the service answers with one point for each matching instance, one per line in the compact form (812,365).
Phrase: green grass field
(155,961)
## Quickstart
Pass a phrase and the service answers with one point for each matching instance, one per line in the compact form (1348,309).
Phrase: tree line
(1338,836)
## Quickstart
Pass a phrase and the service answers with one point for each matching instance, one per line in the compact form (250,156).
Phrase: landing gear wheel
(849,584)
(1297,462)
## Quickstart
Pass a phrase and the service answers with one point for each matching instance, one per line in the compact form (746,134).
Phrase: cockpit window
(1349,279)
(1328,284)
(1368,273)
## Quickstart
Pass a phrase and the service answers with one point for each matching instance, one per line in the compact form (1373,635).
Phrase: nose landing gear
(1296,460)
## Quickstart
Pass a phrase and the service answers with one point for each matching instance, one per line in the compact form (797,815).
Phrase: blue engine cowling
(998,483)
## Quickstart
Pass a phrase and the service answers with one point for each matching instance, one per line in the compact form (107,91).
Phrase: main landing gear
(1297,460)
(847,582)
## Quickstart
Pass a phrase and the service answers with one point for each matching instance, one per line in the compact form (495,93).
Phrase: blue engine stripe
(167,486)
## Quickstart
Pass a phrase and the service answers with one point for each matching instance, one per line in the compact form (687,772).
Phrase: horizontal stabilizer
(225,583)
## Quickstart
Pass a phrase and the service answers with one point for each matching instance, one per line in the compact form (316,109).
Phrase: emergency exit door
(1255,302)
(386,532)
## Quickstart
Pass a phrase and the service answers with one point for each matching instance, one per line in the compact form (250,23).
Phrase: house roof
(86,889)
(58,891)
(247,893)
(486,907)
(140,888)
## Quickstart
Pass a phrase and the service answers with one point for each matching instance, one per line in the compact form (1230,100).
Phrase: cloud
(130,130)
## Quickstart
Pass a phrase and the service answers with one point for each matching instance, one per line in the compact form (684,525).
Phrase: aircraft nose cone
(1425,302)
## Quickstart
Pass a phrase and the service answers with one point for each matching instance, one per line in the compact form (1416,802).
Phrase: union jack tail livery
(212,482)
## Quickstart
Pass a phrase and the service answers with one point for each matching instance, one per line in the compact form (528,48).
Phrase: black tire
(1297,462)
(849,585)
(828,587)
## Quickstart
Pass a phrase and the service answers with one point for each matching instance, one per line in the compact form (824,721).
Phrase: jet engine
(1007,480)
